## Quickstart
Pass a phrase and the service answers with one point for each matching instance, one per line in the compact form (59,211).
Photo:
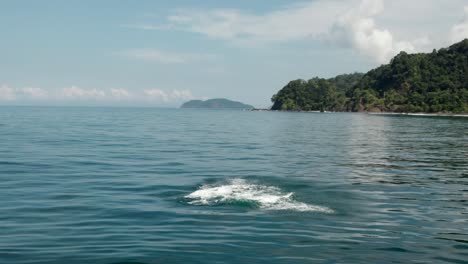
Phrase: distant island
(434,82)
(219,103)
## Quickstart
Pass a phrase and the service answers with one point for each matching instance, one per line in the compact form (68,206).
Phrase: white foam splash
(267,197)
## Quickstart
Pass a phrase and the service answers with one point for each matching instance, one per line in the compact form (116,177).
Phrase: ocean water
(142,185)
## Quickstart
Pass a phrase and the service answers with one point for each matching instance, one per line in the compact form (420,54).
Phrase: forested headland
(435,82)
(218,103)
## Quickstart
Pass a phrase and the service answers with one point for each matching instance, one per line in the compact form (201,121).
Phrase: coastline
(421,114)
(370,113)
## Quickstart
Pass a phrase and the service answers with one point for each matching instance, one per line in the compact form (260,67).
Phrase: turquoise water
(116,185)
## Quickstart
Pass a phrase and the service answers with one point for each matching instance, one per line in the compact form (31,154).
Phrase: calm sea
(118,185)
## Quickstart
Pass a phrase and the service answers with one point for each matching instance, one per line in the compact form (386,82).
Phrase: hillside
(216,104)
(431,82)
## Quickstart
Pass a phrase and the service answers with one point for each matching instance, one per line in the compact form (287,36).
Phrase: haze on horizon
(154,53)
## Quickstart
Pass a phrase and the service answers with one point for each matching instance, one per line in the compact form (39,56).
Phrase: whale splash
(238,191)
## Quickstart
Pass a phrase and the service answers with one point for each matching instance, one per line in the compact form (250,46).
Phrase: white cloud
(171,96)
(156,94)
(7,93)
(294,22)
(460,30)
(357,29)
(181,94)
(34,92)
(164,56)
(78,94)
(348,23)
(356,24)
(75,92)
(149,27)
(120,93)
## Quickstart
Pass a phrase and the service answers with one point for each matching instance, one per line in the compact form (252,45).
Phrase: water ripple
(124,185)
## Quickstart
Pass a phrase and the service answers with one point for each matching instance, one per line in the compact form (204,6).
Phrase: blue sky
(162,53)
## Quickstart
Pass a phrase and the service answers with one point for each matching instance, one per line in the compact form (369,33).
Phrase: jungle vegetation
(435,82)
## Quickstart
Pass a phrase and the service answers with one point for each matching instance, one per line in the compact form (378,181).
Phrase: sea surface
(145,185)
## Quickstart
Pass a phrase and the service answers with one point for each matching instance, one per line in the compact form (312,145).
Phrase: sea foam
(239,190)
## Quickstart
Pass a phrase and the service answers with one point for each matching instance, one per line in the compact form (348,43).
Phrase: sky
(163,53)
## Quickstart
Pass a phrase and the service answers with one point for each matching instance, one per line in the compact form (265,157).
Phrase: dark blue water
(115,185)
